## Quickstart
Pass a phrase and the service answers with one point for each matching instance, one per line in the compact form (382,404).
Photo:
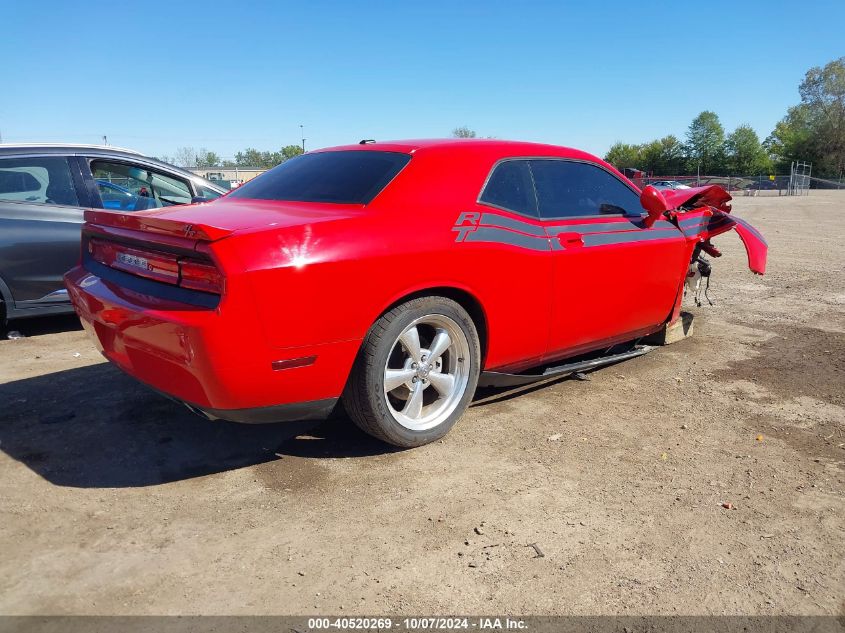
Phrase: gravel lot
(115,500)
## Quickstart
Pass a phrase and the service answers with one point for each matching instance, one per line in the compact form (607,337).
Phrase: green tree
(251,157)
(792,138)
(744,153)
(814,130)
(663,156)
(622,155)
(206,158)
(291,151)
(705,141)
(463,132)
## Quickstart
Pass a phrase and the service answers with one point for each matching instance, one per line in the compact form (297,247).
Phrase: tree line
(203,158)
(812,131)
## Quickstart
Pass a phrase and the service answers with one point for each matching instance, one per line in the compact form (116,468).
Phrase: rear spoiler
(142,221)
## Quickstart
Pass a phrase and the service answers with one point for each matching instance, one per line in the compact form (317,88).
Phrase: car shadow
(37,326)
(95,427)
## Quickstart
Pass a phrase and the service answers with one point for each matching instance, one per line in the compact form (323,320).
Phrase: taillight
(199,276)
(165,267)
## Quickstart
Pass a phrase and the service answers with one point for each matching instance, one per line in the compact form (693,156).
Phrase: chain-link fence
(826,183)
(760,185)
(771,185)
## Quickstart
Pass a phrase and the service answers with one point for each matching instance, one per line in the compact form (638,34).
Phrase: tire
(397,392)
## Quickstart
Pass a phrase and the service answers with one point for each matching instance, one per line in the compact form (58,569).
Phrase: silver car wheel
(427,372)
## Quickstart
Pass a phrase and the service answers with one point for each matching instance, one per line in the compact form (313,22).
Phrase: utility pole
(302,134)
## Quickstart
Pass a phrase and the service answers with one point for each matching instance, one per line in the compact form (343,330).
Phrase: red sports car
(395,277)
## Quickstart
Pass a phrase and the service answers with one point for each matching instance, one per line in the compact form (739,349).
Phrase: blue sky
(229,75)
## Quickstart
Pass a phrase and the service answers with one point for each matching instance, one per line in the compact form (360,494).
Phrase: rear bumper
(215,360)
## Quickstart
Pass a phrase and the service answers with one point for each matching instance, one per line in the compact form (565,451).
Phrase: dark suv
(44,190)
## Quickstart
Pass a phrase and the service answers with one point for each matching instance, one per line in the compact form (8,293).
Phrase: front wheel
(416,372)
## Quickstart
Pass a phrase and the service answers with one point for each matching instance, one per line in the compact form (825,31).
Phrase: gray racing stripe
(492,219)
(709,225)
(605,227)
(602,239)
(695,220)
(504,236)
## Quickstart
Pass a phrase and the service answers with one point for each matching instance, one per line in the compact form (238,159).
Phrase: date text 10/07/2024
(415,624)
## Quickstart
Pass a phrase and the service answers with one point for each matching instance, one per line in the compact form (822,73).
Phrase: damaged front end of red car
(702,213)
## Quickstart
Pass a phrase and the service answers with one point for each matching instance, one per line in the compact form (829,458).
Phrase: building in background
(229,177)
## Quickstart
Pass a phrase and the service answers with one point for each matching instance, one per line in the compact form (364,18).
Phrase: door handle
(570,240)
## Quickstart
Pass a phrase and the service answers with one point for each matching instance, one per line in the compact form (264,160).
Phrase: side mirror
(655,205)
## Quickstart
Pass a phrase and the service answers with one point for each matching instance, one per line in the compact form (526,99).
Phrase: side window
(567,189)
(510,187)
(206,192)
(44,180)
(134,188)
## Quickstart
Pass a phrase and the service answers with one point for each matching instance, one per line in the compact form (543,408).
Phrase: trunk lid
(214,221)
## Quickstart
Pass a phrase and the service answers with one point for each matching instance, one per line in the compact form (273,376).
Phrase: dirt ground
(115,500)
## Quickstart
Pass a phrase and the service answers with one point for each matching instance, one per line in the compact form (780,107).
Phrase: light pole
(302,134)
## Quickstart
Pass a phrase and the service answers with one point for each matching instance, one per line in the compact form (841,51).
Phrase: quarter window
(510,187)
(38,180)
(207,192)
(567,189)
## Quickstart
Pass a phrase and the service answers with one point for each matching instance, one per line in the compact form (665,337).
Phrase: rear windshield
(347,177)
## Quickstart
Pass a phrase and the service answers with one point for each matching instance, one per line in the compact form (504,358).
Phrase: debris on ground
(14,335)
(555,437)
(580,375)
(539,553)
(728,506)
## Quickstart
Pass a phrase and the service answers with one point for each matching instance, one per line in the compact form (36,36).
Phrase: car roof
(493,147)
(63,147)
(476,148)
(73,149)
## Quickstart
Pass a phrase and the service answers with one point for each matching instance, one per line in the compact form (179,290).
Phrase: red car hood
(709,195)
(216,220)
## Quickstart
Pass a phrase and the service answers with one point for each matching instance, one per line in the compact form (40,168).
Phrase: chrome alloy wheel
(426,372)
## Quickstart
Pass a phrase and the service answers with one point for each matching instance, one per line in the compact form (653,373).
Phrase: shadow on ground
(94,427)
(41,325)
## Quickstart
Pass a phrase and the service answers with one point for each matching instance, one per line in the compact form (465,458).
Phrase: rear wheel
(416,372)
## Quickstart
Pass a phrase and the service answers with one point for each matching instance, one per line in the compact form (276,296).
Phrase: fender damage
(704,212)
